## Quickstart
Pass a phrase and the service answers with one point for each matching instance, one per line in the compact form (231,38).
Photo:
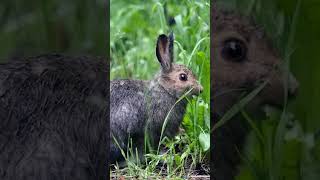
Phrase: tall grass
(135,27)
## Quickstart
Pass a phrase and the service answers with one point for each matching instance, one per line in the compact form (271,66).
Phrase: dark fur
(136,105)
(53,118)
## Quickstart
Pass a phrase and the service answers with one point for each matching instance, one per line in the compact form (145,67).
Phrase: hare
(243,56)
(137,105)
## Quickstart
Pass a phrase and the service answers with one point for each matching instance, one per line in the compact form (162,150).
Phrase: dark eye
(183,77)
(234,50)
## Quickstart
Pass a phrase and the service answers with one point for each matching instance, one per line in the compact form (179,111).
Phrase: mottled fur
(53,118)
(231,79)
(138,105)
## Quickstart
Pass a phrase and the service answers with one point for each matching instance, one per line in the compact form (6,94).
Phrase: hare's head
(243,57)
(175,78)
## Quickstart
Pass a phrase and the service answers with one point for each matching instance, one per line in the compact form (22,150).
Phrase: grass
(134,28)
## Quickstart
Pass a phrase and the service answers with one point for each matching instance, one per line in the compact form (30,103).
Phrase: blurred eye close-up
(234,50)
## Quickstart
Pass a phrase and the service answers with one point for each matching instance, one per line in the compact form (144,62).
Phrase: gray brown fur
(138,105)
(231,79)
(53,123)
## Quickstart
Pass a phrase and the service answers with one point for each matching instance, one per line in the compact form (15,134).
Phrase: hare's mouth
(195,91)
(260,104)
(276,99)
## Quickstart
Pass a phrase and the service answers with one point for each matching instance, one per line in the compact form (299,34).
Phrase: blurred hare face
(244,57)
(181,79)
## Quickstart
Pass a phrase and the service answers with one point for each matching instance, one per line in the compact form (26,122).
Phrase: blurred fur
(53,118)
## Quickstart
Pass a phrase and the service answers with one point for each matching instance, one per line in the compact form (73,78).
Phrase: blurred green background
(41,26)
(304,151)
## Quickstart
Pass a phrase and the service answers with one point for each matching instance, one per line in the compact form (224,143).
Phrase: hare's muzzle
(293,86)
(200,89)
(197,89)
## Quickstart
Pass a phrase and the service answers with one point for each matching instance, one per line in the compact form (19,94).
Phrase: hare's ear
(164,51)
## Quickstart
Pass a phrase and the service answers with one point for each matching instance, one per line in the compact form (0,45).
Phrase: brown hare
(243,57)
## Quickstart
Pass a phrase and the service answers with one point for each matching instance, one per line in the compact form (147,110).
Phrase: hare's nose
(293,86)
(200,88)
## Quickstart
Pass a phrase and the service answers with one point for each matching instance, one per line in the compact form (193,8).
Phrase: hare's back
(127,106)
(123,90)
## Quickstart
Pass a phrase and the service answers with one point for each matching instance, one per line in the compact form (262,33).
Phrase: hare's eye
(234,50)
(183,77)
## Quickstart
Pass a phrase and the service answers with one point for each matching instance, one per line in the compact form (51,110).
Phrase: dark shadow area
(41,26)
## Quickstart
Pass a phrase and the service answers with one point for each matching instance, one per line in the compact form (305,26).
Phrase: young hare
(137,105)
(243,57)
